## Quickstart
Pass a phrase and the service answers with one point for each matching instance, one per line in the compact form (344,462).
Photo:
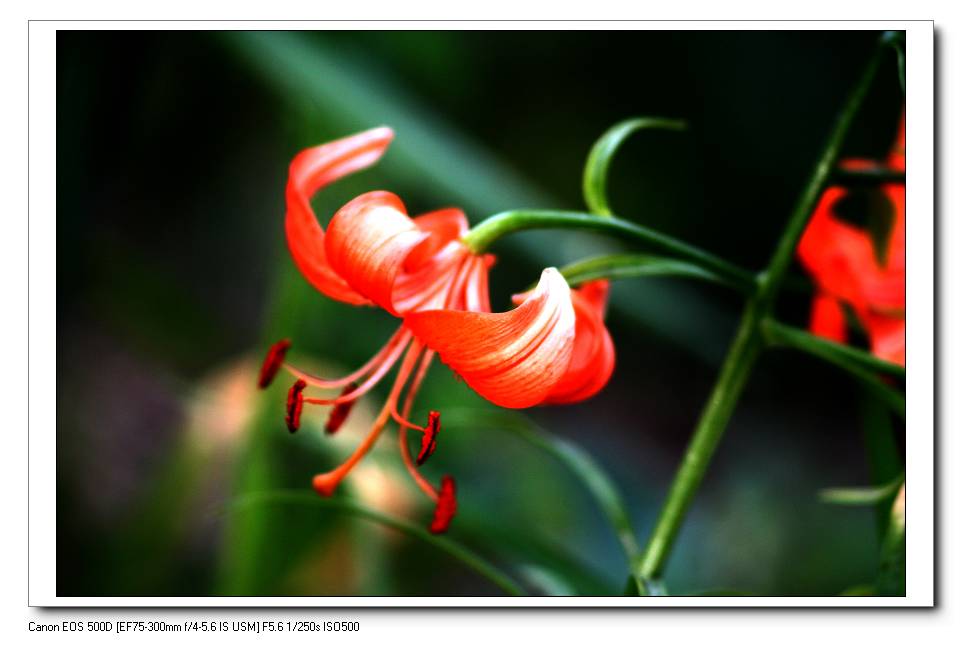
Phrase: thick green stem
(488,231)
(744,350)
(771,279)
(711,426)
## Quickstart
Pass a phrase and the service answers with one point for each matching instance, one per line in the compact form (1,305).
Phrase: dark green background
(172,152)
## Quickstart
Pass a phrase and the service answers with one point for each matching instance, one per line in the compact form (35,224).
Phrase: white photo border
(920,330)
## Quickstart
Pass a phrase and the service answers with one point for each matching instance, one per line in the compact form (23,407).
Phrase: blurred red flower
(848,268)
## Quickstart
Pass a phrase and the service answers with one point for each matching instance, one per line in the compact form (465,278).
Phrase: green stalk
(860,365)
(744,350)
(711,426)
(841,355)
(484,234)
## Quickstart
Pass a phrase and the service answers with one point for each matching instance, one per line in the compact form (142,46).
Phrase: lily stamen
(370,382)
(295,403)
(416,475)
(376,360)
(272,363)
(326,483)
(340,412)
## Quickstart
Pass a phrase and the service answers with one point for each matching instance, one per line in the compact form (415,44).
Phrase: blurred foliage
(173,277)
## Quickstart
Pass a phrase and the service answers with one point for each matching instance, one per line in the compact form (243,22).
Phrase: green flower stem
(744,349)
(299,497)
(628,266)
(711,426)
(485,233)
(849,358)
(771,279)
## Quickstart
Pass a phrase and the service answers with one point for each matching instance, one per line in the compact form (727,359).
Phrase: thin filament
(452,300)
(326,483)
(371,381)
(412,469)
(313,380)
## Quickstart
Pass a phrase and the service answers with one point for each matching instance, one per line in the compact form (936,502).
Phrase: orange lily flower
(847,270)
(552,348)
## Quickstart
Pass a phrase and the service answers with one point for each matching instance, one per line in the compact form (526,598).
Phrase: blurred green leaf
(531,549)
(546,580)
(578,461)
(861,495)
(250,562)
(454,549)
(595,176)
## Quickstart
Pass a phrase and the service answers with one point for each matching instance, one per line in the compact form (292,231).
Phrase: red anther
(340,411)
(429,441)
(446,507)
(272,362)
(295,402)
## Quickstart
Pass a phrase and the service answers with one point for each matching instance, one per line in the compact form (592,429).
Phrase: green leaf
(546,580)
(891,577)
(467,557)
(861,365)
(578,461)
(530,548)
(627,266)
(861,495)
(599,159)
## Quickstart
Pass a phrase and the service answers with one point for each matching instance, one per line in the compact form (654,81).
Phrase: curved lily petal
(444,225)
(514,359)
(887,338)
(310,171)
(838,255)
(828,318)
(368,241)
(593,356)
